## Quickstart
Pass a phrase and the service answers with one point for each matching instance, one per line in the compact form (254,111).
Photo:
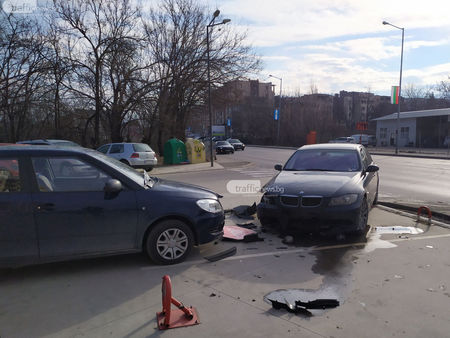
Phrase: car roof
(25,149)
(343,146)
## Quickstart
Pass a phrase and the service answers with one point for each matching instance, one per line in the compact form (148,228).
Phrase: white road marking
(290,252)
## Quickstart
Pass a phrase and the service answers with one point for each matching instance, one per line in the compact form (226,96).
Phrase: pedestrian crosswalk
(255,173)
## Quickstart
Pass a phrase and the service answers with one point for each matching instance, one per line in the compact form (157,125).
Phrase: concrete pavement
(389,285)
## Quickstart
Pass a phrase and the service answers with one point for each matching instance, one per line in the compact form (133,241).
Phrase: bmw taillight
(134,155)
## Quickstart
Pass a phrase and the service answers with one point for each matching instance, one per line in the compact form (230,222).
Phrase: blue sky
(342,44)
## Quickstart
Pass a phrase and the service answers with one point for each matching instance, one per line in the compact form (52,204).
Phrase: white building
(422,128)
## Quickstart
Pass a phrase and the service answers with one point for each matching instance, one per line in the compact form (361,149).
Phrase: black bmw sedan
(323,188)
(50,214)
(223,147)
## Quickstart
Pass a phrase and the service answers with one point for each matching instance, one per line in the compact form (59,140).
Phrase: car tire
(125,162)
(169,242)
(149,168)
(362,217)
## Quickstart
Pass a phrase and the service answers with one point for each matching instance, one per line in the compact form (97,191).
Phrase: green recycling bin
(174,152)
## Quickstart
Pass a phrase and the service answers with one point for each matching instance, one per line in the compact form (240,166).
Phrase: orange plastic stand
(168,318)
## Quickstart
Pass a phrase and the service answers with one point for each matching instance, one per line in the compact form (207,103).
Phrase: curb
(275,147)
(407,214)
(176,169)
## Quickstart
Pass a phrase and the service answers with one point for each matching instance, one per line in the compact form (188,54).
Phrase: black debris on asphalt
(221,255)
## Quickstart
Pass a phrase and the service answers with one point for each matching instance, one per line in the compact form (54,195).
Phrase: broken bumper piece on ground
(303,307)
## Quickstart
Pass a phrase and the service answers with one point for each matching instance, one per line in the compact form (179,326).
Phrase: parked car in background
(136,155)
(224,147)
(343,140)
(236,143)
(322,188)
(115,209)
(64,143)
(365,140)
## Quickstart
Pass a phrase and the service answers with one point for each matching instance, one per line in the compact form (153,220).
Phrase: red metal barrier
(419,212)
(168,318)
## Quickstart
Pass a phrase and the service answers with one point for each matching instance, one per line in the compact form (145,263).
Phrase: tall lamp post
(211,24)
(279,107)
(399,85)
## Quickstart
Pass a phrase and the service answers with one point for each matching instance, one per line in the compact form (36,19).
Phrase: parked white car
(136,155)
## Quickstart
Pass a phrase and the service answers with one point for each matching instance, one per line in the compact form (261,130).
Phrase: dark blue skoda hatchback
(59,203)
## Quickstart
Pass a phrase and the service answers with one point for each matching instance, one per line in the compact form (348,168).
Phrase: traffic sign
(229,122)
(276,115)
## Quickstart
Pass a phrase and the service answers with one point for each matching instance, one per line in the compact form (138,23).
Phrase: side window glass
(116,148)
(103,149)
(9,175)
(68,174)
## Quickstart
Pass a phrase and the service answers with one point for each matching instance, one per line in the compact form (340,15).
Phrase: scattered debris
(398,277)
(245,211)
(429,246)
(288,240)
(212,294)
(250,225)
(257,276)
(221,255)
(237,233)
(303,307)
(431,290)
(277,256)
(253,238)
(398,230)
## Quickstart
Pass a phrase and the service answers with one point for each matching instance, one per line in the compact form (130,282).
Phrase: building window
(383,133)
(404,132)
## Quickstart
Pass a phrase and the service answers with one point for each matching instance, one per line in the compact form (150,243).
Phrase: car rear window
(141,147)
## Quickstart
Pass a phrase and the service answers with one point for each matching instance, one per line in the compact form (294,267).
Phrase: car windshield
(140,178)
(141,147)
(324,160)
(234,141)
(223,143)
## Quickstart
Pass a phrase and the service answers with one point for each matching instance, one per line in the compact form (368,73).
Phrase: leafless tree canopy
(92,70)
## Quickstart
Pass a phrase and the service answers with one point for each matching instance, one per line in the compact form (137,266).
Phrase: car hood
(178,189)
(314,183)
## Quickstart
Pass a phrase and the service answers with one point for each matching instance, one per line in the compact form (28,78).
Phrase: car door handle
(46,206)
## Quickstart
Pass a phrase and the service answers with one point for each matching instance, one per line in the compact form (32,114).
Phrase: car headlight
(269,199)
(343,200)
(210,205)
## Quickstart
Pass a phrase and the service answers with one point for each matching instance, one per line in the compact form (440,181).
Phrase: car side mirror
(278,167)
(113,186)
(372,168)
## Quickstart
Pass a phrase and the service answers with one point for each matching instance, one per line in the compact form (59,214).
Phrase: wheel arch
(183,219)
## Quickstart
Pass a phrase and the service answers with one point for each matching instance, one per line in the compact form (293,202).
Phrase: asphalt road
(402,179)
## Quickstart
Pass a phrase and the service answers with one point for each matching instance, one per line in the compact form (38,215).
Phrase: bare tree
(21,46)
(176,34)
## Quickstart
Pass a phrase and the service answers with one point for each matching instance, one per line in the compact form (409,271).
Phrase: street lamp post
(211,24)
(279,108)
(399,85)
